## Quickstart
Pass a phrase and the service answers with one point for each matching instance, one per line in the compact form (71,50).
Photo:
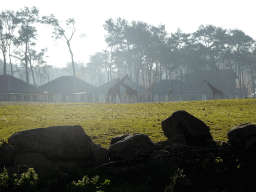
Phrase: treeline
(145,52)
(148,54)
(18,36)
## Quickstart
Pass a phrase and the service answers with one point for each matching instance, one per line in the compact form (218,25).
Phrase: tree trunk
(181,74)
(32,71)
(240,81)
(244,87)
(47,75)
(137,71)
(143,78)
(160,72)
(169,69)
(10,58)
(11,65)
(4,55)
(253,86)
(4,64)
(26,62)
(72,59)
(166,74)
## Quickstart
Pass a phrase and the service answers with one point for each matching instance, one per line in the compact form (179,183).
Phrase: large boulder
(184,128)
(31,160)
(243,137)
(58,142)
(118,138)
(100,156)
(7,154)
(131,147)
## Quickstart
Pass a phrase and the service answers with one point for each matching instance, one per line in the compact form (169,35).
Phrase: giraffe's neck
(126,86)
(118,84)
(211,87)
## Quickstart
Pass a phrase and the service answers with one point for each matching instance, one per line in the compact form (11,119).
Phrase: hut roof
(68,84)
(132,84)
(178,87)
(10,84)
(105,87)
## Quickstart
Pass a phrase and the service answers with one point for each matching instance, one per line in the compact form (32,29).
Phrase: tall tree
(211,39)
(239,43)
(9,22)
(60,33)
(180,48)
(40,64)
(3,45)
(116,40)
(27,32)
(95,68)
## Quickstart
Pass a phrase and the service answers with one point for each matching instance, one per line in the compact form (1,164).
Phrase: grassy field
(102,121)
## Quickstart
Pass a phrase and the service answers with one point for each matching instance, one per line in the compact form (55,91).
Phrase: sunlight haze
(90,17)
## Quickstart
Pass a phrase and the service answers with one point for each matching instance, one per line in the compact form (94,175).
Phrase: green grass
(102,121)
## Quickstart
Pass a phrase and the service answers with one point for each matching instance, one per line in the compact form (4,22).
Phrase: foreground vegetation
(103,121)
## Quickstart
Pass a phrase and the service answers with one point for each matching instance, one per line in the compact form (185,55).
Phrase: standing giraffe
(115,90)
(132,93)
(150,90)
(150,93)
(170,94)
(215,91)
(170,97)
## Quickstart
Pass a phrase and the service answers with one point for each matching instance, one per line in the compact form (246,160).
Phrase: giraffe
(132,93)
(150,93)
(150,90)
(215,91)
(170,93)
(115,90)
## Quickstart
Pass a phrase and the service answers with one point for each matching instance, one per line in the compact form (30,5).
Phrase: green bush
(86,184)
(5,181)
(28,181)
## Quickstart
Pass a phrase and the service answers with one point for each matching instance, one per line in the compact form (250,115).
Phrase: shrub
(87,185)
(5,181)
(28,181)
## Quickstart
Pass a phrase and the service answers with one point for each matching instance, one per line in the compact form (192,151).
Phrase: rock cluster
(46,149)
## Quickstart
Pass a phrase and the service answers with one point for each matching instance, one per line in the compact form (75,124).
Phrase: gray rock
(100,156)
(130,147)
(157,153)
(7,154)
(31,160)
(186,129)
(68,142)
(118,138)
(243,137)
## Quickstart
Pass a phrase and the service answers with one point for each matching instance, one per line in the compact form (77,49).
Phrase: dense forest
(146,53)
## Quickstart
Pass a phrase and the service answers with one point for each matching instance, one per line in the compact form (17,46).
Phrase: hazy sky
(90,15)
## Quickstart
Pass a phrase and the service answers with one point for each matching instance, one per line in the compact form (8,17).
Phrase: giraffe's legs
(124,98)
(120,97)
(113,98)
